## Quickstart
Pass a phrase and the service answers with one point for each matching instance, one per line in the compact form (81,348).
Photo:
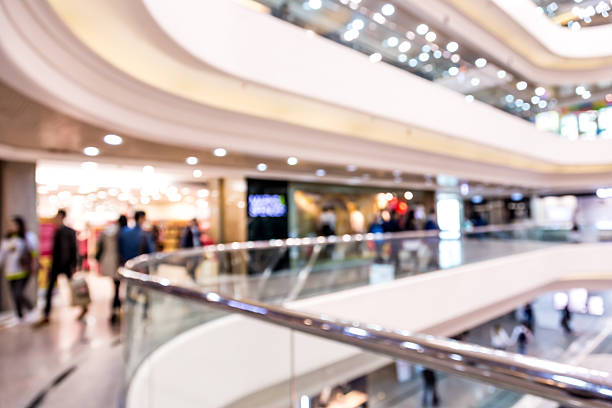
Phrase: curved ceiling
(132,76)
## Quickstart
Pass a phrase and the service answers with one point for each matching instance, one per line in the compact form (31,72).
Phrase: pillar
(17,197)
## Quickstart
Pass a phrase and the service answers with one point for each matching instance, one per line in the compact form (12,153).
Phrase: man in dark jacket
(64,259)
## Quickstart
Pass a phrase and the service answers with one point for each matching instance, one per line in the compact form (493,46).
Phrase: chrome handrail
(569,385)
(140,261)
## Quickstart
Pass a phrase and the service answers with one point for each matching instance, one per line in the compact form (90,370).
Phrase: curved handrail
(141,260)
(570,385)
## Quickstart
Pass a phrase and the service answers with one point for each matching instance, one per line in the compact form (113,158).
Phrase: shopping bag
(79,292)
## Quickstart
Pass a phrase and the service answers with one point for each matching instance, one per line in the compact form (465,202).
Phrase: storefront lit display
(569,126)
(587,124)
(604,121)
(547,121)
(267,205)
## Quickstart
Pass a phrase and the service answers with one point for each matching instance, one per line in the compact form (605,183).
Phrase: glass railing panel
(281,271)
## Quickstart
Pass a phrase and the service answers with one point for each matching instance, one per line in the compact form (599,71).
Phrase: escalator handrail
(567,384)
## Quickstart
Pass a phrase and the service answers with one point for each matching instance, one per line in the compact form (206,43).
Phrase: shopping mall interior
(305,203)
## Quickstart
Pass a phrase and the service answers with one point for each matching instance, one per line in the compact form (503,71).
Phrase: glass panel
(181,353)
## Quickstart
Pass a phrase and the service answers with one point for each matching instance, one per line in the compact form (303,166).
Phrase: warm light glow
(197,173)
(262,167)
(191,160)
(292,161)
(148,169)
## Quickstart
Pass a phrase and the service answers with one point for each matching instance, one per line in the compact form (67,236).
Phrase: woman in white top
(16,260)
(499,338)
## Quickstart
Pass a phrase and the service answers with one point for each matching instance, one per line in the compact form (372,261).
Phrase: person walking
(107,255)
(430,393)
(566,316)
(64,261)
(522,335)
(16,260)
(134,241)
(190,238)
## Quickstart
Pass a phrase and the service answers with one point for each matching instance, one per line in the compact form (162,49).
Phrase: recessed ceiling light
(320,172)
(540,91)
(422,29)
(220,152)
(501,74)
(191,160)
(197,173)
(113,140)
(292,161)
(91,151)
(388,9)
(376,57)
(315,4)
(480,62)
(431,36)
(521,85)
(408,195)
(404,46)
(263,166)
(452,46)
(392,41)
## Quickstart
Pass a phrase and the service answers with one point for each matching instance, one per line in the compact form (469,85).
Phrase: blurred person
(107,255)
(430,393)
(376,227)
(522,335)
(16,261)
(529,318)
(392,225)
(156,236)
(191,236)
(431,222)
(134,241)
(327,222)
(566,316)
(500,339)
(64,261)
(410,222)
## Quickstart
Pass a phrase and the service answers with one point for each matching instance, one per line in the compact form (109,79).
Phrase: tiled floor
(84,359)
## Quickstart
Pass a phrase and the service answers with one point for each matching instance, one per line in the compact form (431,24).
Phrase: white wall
(268,51)
(234,356)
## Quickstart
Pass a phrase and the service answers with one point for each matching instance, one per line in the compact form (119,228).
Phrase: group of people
(19,258)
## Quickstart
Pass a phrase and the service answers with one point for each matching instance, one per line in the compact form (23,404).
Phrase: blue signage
(267,205)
